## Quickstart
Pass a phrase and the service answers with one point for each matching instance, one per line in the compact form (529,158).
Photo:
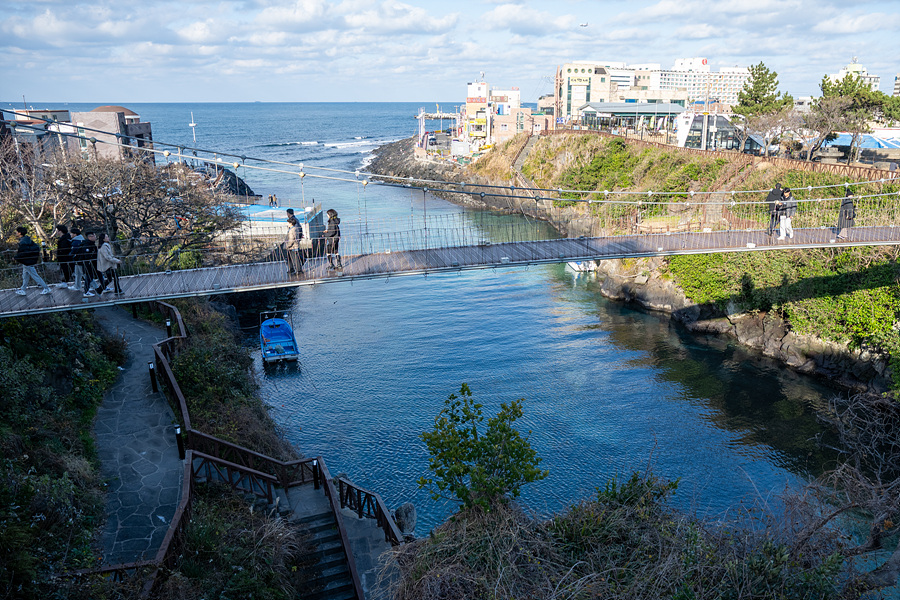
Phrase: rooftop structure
(854,68)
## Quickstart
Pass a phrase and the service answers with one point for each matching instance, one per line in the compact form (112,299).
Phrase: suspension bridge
(608,225)
(237,262)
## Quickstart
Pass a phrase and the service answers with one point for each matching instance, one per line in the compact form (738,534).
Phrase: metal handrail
(342,531)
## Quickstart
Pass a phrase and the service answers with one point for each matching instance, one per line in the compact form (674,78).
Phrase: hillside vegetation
(848,296)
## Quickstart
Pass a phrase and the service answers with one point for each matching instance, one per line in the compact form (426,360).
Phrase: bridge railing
(601,215)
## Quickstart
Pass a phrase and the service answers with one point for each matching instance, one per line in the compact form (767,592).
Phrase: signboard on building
(499,98)
(579,80)
(476,100)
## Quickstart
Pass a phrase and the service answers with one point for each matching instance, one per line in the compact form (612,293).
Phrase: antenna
(193,127)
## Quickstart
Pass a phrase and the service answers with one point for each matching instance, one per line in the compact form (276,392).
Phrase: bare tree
(27,192)
(827,116)
(863,491)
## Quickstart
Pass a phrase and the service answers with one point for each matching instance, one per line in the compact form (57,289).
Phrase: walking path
(134,432)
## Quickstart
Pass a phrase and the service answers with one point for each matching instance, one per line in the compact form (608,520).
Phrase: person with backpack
(28,255)
(333,239)
(77,241)
(87,259)
(63,253)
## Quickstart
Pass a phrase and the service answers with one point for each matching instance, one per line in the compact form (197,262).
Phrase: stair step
(344,592)
(313,518)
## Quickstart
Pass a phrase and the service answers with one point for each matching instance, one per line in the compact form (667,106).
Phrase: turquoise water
(608,390)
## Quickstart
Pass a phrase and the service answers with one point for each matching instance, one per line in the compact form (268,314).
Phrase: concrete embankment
(641,282)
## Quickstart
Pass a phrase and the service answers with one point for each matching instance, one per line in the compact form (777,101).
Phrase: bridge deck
(266,275)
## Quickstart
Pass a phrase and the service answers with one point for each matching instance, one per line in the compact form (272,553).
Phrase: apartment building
(690,79)
(856,69)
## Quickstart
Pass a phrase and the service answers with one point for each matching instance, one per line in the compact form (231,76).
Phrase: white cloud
(523,20)
(396,17)
(699,32)
(845,24)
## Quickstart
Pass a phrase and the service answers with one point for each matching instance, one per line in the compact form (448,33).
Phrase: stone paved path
(135,436)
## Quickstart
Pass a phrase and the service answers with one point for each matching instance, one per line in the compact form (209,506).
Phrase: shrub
(478,469)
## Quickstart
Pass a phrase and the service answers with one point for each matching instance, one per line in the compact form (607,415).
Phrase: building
(897,85)
(629,116)
(478,114)
(691,79)
(117,130)
(856,69)
(701,83)
(121,133)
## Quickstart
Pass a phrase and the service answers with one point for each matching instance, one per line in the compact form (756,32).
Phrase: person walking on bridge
(106,266)
(774,201)
(86,258)
(28,255)
(63,253)
(786,214)
(292,245)
(333,239)
(846,216)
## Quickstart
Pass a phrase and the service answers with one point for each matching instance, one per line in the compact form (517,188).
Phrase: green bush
(478,469)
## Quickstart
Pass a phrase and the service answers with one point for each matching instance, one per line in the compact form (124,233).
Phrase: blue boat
(276,338)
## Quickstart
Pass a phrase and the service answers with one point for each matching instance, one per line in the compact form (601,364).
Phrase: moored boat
(276,338)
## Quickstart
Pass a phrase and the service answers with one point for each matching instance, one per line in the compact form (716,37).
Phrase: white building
(689,80)
(701,83)
(504,102)
(478,114)
(897,85)
(854,68)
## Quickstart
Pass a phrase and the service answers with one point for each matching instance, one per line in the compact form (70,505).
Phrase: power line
(450,187)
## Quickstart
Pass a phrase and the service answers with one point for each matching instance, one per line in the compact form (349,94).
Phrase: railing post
(168,328)
(153,376)
(315,469)
(180,442)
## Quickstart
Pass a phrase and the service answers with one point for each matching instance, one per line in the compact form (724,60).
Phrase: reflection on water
(608,390)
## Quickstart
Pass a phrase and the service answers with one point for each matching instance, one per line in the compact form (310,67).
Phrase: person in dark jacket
(77,241)
(786,214)
(333,239)
(87,258)
(774,202)
(63,253)
(28,254)
(846,216)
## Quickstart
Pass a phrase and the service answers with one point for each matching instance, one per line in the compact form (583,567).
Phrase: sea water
(608,390)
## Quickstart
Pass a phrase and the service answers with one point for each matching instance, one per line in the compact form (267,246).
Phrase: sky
(416,50)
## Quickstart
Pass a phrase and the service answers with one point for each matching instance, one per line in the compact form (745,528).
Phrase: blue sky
(415,50)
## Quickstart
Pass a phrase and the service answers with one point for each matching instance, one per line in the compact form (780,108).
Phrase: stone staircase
(329,574)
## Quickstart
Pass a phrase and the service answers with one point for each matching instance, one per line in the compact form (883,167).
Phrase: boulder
(405,518)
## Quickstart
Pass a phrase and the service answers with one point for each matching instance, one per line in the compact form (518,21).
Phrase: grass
(235,551)
(215,375)
(624,543)
(55,369)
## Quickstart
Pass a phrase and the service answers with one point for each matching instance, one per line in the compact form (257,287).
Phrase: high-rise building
(854,68)
(689,80)
(701,83)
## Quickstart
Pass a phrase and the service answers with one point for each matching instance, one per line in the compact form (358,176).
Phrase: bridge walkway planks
(255,276)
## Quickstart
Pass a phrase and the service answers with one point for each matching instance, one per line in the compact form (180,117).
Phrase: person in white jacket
(107,264)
